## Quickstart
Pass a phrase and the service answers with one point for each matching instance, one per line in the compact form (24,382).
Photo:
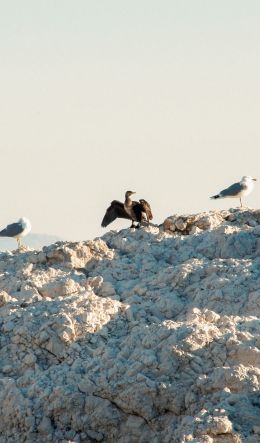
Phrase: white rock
(143,335)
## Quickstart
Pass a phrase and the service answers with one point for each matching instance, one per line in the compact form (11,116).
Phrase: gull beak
(255,179)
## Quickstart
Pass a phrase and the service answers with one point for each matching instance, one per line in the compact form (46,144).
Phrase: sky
(100,97)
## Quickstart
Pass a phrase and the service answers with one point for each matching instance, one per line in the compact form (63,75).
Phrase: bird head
(247,178)
(129,193)
(25,222)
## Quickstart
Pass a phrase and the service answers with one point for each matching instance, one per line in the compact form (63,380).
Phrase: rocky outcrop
(146,335)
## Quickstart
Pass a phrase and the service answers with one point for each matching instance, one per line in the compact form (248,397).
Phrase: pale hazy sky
(97,97)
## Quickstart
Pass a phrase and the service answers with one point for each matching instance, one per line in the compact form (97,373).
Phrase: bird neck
(128,201)
(26,225)
(247,182)
(250,184)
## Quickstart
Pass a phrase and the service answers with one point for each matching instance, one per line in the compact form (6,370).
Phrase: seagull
(17,230)
(238,190)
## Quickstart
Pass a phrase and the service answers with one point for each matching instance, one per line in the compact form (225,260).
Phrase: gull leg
(19,242)
(241,204)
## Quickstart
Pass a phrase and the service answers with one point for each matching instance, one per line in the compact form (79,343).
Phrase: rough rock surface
(148,335)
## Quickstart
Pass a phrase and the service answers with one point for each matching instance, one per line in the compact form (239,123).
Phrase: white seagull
(17,230)
(238,190)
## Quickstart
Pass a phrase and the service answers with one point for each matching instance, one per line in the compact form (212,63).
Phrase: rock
(45,426)
(191,224)
(143,335)
(4,298)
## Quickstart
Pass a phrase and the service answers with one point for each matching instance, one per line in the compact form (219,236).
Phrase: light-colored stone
(147,335)
(4,298)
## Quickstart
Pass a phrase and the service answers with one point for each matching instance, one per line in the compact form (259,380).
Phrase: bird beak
(255,179)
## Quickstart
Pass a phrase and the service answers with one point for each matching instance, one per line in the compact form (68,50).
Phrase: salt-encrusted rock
(4,298)
(187,224)
(148,334)
(76,255)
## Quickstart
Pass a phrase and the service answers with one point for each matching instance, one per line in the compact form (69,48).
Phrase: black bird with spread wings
(132,210)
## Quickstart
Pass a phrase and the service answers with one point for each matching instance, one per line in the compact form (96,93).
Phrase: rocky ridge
(148,335)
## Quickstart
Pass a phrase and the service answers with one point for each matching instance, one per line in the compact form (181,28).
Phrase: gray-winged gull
(17,230)
(238,190)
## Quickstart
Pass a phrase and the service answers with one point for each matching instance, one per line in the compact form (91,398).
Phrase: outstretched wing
(115,210)
(147,209)
(12,230)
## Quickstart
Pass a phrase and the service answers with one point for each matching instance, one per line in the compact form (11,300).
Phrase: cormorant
(131,210)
